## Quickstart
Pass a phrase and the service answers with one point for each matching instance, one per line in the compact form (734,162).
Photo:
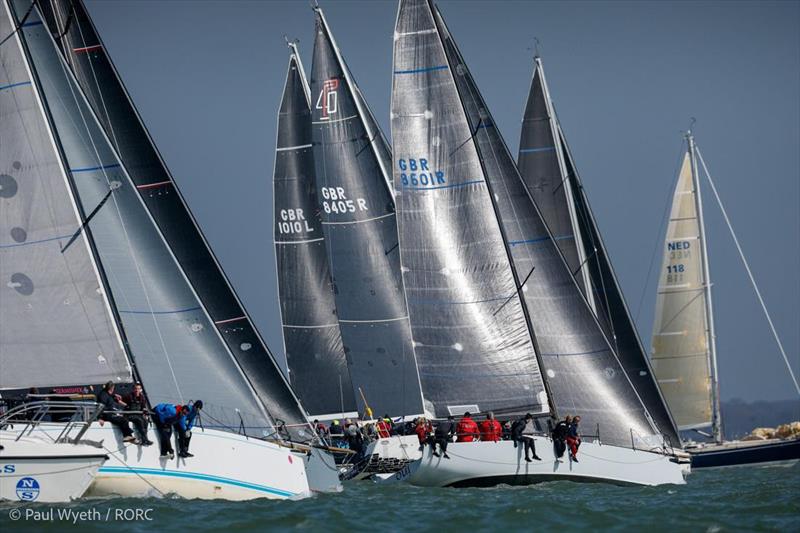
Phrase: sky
(626,78)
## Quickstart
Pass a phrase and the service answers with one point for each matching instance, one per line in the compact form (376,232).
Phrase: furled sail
(56,325)
(315,356)
(187,332)
(681,351)
(547,167)
(472,340)
(358,219)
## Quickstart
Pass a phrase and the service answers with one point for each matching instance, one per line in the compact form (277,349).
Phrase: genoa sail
(315,355)
(58,328)
(186,330)
(681,351)
(472,340)
(359,224)
(548,169)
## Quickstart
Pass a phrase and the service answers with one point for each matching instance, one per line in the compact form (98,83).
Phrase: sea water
(734,499)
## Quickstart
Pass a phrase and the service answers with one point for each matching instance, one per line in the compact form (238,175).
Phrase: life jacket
(384,429)
(466,430)
(491,430)
(423,431)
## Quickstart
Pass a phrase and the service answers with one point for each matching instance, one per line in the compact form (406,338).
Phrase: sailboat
(684,353)
(499,322)
(548,169)
(110,278)
(358,221)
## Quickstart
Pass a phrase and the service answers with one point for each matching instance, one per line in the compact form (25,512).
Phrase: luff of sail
(546,165)
(58,328)
(471,336)
(315,356)
(358,218)
(169,290)
(681,353)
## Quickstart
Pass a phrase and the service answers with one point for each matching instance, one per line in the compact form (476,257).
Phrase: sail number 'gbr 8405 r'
(416,174)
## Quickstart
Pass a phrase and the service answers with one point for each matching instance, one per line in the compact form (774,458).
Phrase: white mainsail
(681,349)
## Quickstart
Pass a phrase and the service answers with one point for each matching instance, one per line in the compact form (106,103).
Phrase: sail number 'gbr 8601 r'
(416,174)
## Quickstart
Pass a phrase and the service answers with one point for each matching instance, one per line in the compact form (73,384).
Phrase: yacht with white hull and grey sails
(499,322)
(164,311)
(549,172)
(315,357)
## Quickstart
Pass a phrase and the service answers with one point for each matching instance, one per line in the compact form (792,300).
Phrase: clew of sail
(58,328)
(472,340)
(315,356)
(681,351)
(358,220)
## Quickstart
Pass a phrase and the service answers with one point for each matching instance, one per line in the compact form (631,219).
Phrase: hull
(321,471)
(483,464)
(36,470)
(225,466)
(744,453)
(387,456)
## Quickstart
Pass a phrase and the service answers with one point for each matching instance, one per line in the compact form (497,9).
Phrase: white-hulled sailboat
(684,352)
(499,322)
(107,277)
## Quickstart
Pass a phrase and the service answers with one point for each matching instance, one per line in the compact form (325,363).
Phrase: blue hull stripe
(192,475)
(419,70)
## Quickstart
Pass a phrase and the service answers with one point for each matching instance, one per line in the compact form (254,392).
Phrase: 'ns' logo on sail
(327,100)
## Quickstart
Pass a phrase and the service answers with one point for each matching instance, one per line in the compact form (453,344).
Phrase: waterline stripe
(92,169)
(193,475)
(12,85)
(419,70)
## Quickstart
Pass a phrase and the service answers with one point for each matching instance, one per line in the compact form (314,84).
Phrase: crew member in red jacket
(424,429)
(467,429)
(385,427)
(491,430)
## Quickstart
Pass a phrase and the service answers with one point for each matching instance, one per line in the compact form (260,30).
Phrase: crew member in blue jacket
(165,416)
(184,427)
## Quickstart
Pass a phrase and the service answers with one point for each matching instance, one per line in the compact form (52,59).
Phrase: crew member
(574,438)
(423,430)
(467,429)
(491,430)
(385,427)
(165,415)
(137,401)
(523,431)
(443,434)
(112,403)
(184,426)
(560,436)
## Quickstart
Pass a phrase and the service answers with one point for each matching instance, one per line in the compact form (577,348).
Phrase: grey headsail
(610,303)
(315,356)
(188,334)
(56,325)
(472,339)
(548,170)
(359,223)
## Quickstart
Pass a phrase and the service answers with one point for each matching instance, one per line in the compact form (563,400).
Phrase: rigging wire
(747,268)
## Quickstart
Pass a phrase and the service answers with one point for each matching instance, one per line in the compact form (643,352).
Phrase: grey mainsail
(472,340)
(188,335)
(315,356)
(56,324)
(360,229)
(547,167)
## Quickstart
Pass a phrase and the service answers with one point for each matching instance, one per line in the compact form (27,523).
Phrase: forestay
(471,336)
(315,356)
(56,324)
(358,218)
(680,340)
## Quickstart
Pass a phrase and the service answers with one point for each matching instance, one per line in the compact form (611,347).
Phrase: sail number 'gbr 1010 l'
(415,173)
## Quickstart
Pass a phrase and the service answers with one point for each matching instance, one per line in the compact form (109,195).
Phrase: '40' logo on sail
(328,100)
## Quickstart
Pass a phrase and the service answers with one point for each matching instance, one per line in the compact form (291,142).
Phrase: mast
(716,419)
(566,182)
